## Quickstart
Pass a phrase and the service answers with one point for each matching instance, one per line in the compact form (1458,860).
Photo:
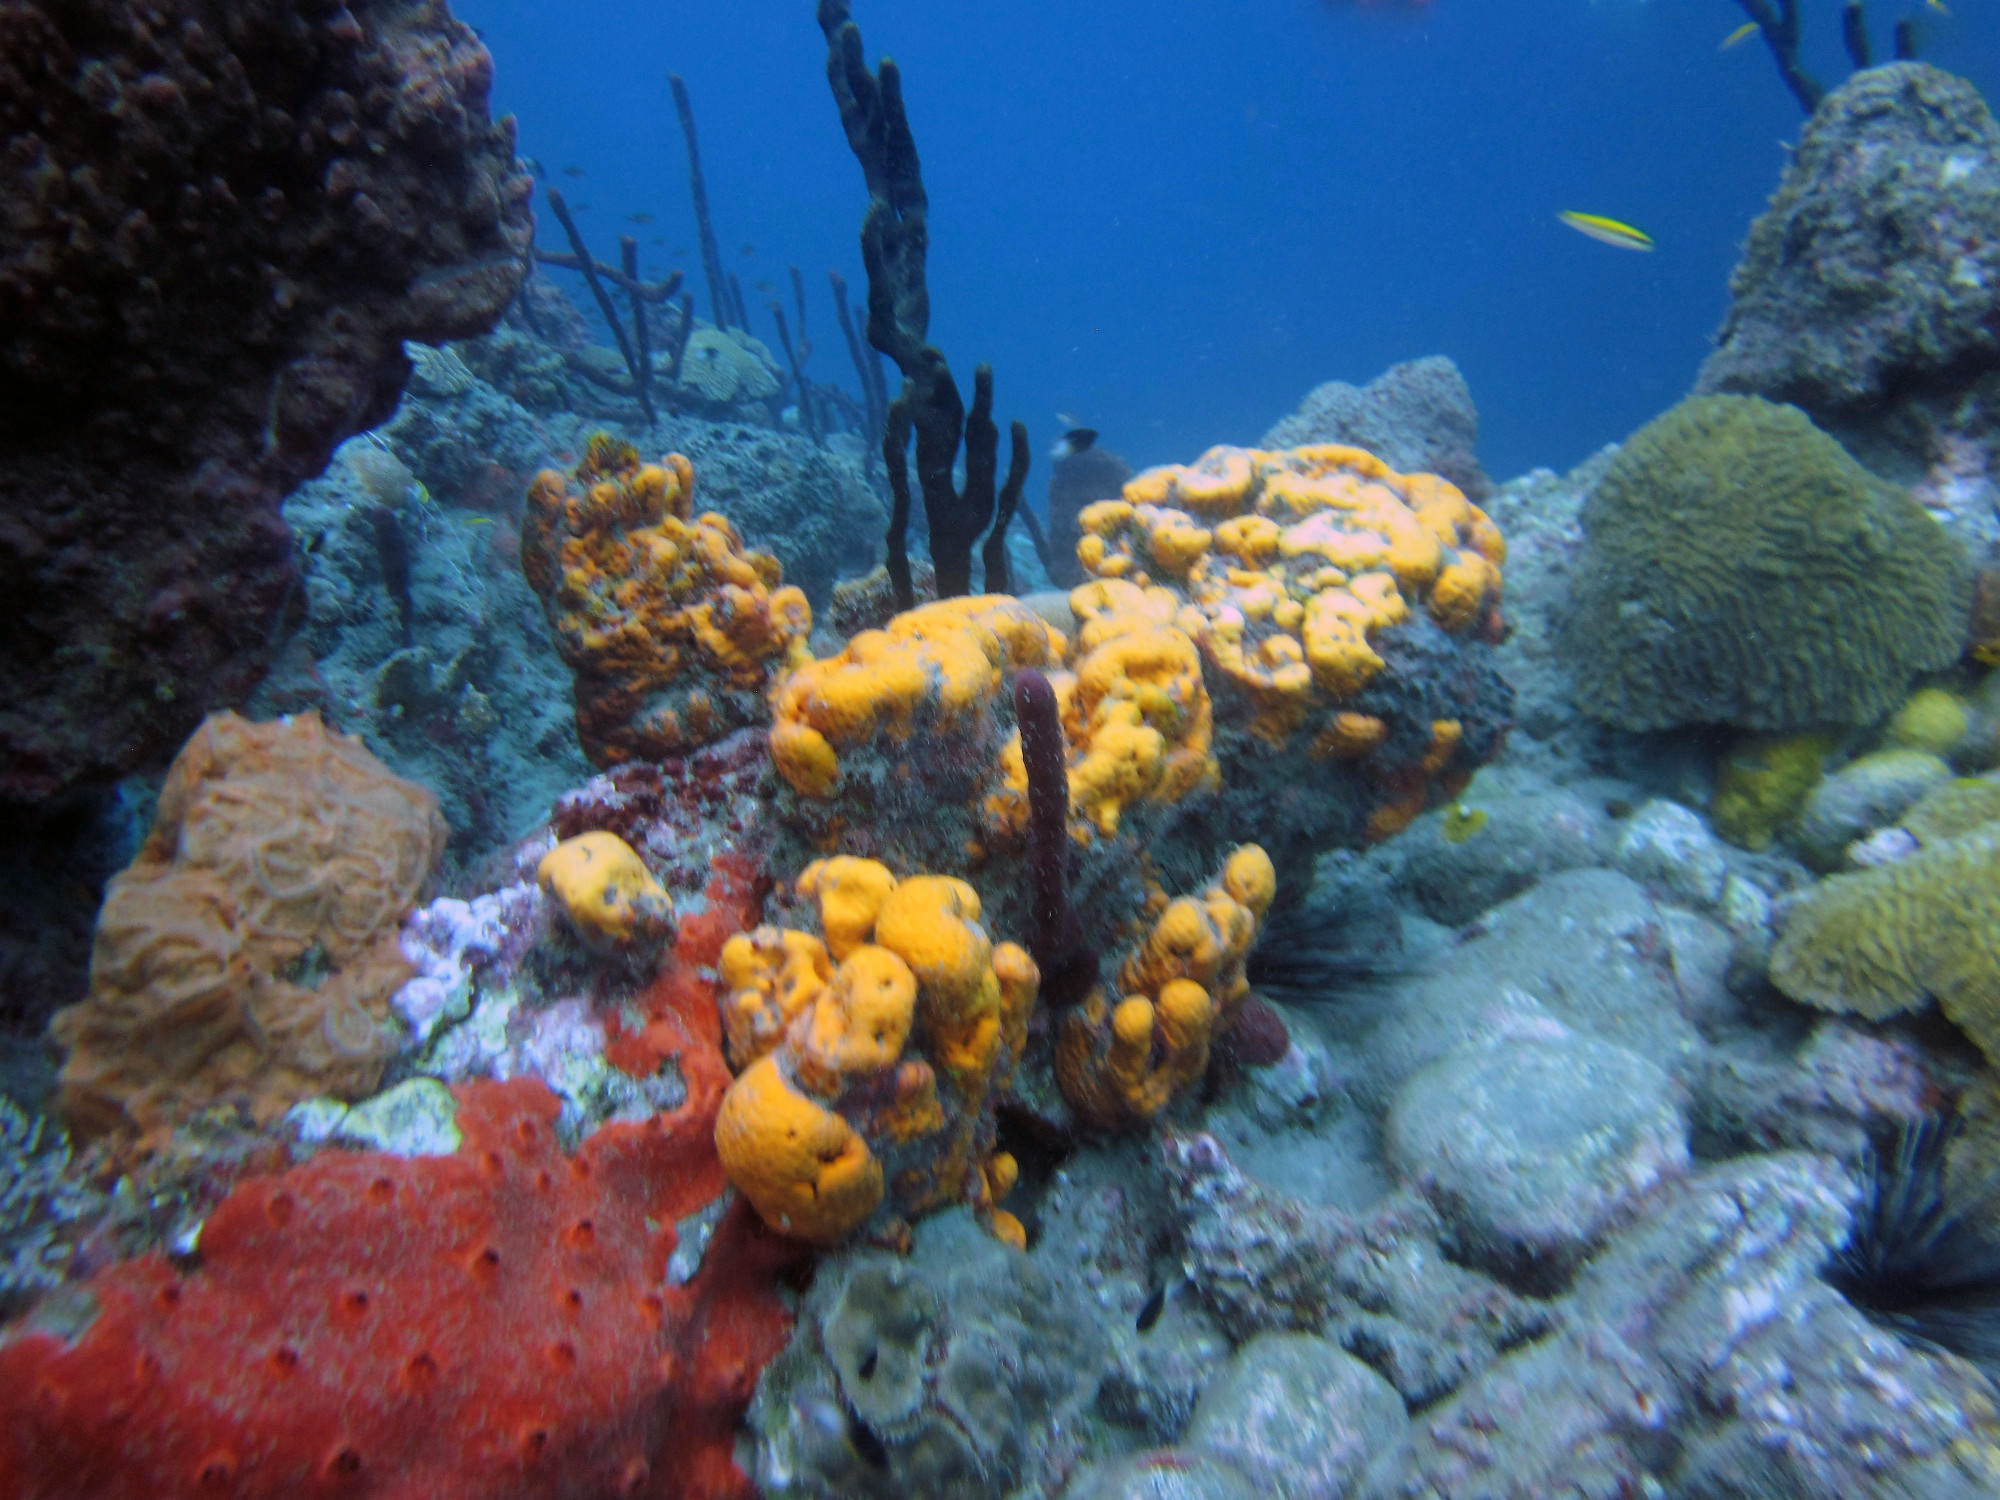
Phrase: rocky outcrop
(218,224)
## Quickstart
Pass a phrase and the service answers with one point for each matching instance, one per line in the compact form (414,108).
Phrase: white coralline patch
(1747,1307)
(1885,846)
(1957,167)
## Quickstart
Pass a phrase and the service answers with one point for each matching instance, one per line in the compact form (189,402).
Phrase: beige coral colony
(634,869)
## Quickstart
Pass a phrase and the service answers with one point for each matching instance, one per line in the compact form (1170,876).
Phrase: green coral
(1889,939)
(1740,568)
(1763,784)
(1930,719)
(1953,810)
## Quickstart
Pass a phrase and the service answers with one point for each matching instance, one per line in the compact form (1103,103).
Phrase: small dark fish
(1154,1306)
(534,164)
(639,218)
(748,248)
(658,239)
(680,250)
(579,208)
(573,172)
(866,1443)
(762,286)
(1076,440)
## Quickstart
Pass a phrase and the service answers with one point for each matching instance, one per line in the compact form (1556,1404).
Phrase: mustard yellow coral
(605,890)
(806,1170)
(1298,559)
(938,665)
(1120,1064)
(672,628)
(769,978)
(903,1042)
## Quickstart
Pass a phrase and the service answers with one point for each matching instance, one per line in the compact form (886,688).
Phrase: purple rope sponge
(1069,968)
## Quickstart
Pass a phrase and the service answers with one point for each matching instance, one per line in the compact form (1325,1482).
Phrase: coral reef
(673,630)
(339,1329)
(960,1370)
(220,226)
(1417,416)
(1739,568)
(871,1060)
(477,708)
(247,956)
(1867,290)
(901,747)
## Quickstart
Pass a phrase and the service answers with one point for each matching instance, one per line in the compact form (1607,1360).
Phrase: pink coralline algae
(446,940)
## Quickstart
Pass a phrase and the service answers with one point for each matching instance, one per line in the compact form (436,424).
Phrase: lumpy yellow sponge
(808,1172)
(887,1061)
(673,629)
(605,890)
(1292,562)
(1119,1064)
(934,667)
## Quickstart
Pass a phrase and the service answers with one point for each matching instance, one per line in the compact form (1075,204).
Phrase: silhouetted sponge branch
(895,242)
(711,254)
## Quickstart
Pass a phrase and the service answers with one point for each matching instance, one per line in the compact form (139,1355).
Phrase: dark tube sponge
(1069,968)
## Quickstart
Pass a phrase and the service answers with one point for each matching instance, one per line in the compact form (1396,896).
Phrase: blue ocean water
(1172,220)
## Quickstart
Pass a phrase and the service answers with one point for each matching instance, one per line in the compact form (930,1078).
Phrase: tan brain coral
(247,956)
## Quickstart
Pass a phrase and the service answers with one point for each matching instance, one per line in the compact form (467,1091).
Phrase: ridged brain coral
(673,630)
(247,955)
(871,1060)
(1740,568)
(1890,939)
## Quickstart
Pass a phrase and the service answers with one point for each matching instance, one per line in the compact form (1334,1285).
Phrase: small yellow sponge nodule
(605,890)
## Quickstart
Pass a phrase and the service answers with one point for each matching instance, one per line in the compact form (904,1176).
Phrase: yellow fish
(1747,30)
(1608,231)
(1939,6)
(1462,822)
